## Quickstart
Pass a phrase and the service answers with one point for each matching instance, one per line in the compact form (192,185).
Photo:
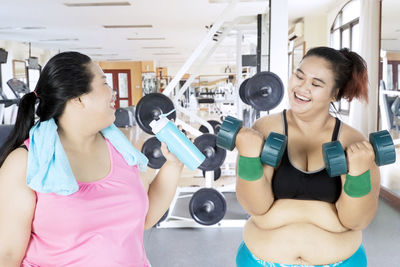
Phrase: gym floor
(216,246)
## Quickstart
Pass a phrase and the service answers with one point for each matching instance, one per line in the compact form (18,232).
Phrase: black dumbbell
(152,150)
(335,156)
(273,148)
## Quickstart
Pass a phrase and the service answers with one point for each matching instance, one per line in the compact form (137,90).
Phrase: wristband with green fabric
(358,186)
(250,169)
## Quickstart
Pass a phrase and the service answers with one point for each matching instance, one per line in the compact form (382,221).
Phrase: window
(345,33)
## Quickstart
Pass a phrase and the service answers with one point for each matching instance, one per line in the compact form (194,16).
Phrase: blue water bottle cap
(157,125)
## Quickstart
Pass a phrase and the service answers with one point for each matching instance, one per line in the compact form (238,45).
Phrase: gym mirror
(389,76)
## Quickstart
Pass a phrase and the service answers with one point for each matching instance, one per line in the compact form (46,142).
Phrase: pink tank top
(100,225)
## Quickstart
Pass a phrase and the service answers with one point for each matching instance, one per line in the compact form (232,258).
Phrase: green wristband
(250,169)
(358,186)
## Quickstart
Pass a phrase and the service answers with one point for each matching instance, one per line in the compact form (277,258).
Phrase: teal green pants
(244,258)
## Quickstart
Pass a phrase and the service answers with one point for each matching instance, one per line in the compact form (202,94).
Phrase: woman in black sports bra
(300,215)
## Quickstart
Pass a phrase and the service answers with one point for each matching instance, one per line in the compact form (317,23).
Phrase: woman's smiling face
(311,86)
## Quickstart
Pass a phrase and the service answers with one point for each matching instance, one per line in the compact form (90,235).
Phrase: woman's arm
(256,197)
(357,212)
(163,188)
(17,206)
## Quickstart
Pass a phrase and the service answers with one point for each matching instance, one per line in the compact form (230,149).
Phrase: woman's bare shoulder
(349,135)
(270,123)
(15,165)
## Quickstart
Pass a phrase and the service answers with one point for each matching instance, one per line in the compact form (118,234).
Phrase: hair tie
(345,52)
(34,91)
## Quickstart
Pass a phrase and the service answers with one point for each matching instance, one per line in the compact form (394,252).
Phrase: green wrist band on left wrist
(250,169)
(358,186)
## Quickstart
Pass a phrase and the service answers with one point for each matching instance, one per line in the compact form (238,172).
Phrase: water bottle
(167,132)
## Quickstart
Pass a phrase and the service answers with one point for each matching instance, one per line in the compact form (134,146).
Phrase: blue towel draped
(48,166)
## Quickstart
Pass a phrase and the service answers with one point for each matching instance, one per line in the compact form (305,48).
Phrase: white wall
(315,28)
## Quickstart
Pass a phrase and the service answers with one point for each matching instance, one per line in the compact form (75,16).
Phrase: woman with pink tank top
(70,191)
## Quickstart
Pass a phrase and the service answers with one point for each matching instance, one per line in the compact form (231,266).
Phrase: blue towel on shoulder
(48,167)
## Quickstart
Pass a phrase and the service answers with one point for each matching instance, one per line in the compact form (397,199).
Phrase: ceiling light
(22,28)
(126,26)
(103,55)
(145,39)
(86,48)
(165,54)
(97,4)
(33,28)
(228,1)
(60,40)
(119,59)
(157,47)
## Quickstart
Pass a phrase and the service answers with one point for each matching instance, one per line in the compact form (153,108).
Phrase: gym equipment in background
(215,124)
(18,87)
(5,131)
(124,117)
(207,206)
(215,156)
(217,174)
(152,150)
(264,91)
(150,107)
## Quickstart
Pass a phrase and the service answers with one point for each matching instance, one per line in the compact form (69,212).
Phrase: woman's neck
(310,124)
(76,138)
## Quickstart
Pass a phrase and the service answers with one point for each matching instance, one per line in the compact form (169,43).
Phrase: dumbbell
(273,148)
(335,156)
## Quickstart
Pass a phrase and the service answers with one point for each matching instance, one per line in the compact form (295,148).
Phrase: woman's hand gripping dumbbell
(357,159)
(272,150)
(335,156)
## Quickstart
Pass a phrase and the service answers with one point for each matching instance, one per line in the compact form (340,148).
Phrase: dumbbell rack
(172,221)
(184,192)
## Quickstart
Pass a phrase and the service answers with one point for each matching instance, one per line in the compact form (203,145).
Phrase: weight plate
(215,156)
(334,158)
(152,150)
(242,90)
(217,174)
(396,107)
(215,124)
(150,107)
(207,206)
(385,152)
(264,91)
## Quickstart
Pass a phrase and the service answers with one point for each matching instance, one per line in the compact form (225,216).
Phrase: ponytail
(349,69)
(357,84)
(24,122)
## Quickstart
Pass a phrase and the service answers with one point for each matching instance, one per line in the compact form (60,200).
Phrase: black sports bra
(293,183)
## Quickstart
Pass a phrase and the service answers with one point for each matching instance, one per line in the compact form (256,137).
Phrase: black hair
(64,77)
(349,69)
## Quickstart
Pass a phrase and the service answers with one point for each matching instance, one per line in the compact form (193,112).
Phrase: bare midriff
(300,232)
